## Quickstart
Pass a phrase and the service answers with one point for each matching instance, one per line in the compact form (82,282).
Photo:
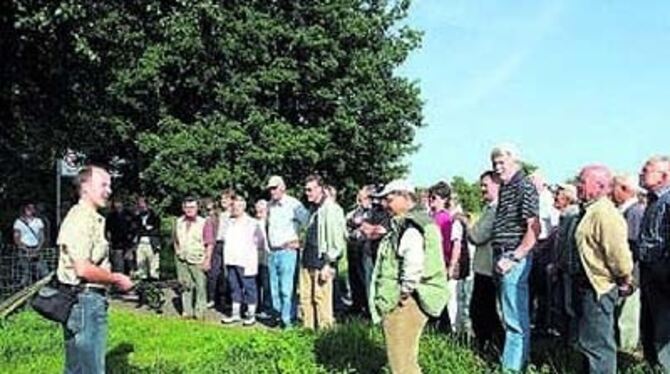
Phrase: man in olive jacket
(409,283)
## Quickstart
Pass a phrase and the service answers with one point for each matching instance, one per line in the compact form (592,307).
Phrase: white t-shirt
(28,237)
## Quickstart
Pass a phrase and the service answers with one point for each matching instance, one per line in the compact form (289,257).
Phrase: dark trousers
(486,323)
(596,330)
(264,295)
(357,279)
(655,313)
(216,289)
(242,288)
(540,287)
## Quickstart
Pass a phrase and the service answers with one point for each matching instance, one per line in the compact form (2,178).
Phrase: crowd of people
(583,262)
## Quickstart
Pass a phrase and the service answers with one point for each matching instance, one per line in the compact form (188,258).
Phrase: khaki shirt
(602,242)
(81,237)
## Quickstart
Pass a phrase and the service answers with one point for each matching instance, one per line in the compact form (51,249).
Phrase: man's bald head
(655,174)
(594,182)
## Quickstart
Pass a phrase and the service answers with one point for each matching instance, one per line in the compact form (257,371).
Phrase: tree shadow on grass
(117,362)
(350,348)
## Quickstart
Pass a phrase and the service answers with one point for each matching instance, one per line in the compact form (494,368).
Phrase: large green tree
(200,95)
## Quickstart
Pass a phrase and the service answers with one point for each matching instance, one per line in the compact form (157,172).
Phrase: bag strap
(32,232)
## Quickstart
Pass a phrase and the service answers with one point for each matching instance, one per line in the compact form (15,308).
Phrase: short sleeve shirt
(29,230)
(81,237)
(518,201)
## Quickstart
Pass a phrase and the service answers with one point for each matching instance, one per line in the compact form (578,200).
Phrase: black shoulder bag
(54,301)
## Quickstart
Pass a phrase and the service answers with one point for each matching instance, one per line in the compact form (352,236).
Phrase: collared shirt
(81,237)
(518,201)
(654,237)
(285,218)
(480,235)
(602,243)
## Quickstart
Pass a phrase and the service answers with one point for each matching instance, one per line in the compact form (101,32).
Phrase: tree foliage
(201,95)
(469,194)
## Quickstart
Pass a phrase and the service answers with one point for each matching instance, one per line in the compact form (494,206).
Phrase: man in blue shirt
(286,216)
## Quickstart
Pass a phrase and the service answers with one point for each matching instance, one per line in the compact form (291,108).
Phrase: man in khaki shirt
(84,267)
(606,268)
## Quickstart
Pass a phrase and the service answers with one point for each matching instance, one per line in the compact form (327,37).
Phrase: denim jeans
(514,300)
(86,335)
(282,267)
(31,269)
(596,330)
(264,296)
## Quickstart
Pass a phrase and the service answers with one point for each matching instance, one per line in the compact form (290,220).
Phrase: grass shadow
(117,360)
(352,348)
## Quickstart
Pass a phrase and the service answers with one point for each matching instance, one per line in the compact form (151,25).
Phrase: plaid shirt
(654,239)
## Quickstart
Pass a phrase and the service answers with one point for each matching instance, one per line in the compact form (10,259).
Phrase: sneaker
(230,319)
(263,315)
(210,305)
(249,321)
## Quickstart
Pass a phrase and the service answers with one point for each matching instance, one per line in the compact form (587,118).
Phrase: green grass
(142,343)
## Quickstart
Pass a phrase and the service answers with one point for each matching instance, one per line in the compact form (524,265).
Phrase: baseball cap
(275,181)
(395,186)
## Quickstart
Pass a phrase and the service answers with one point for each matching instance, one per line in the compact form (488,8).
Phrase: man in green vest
(409,283)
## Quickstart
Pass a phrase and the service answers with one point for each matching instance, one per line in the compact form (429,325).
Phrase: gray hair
(506,149)
(660,159)
(626,180)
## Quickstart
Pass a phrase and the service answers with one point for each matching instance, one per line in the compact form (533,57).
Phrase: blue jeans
(514,296)
(265,303)
(86,335)
(282,265)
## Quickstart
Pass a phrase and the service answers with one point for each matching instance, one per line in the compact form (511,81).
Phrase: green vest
(432,293)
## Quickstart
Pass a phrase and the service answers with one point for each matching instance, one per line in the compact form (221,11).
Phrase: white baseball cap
(275,181)
(396,185)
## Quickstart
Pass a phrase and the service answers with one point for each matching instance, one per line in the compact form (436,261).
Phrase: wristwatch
(510,256)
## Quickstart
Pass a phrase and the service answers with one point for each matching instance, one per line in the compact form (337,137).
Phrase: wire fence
(19,270)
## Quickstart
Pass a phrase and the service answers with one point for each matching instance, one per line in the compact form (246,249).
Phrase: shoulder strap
(32,232)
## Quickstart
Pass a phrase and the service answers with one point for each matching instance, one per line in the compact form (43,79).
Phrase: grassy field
(144,343)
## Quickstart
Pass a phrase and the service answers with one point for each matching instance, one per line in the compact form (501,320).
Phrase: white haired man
(515,230)
(654,251)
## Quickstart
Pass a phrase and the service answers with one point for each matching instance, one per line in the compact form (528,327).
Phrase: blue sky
(570,82)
